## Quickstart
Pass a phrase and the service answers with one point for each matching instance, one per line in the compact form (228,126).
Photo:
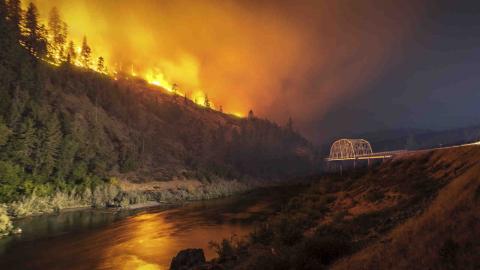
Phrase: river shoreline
(109,239)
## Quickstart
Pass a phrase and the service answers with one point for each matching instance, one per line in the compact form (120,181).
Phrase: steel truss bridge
(356,149)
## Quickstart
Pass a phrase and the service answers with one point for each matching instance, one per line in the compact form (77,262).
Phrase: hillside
(418,211)
(444,235)
(77,137)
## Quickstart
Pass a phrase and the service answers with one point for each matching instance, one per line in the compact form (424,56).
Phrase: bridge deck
(379,155)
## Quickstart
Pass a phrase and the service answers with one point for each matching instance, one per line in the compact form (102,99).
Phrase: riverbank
(136,239)
(123,194)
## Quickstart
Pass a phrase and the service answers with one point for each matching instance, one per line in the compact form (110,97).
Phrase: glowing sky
(281,58)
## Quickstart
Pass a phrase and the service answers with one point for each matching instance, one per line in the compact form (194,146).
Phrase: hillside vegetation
(417,211)
(70,136)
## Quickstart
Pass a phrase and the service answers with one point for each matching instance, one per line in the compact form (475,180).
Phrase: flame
(238,114)
(158,78)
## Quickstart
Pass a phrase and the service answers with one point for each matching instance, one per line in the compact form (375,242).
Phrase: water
(136,239)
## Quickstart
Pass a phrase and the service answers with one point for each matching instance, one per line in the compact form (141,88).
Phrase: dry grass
(446,235)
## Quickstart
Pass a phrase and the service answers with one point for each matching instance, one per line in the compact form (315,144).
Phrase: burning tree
(85,53)
(58,37)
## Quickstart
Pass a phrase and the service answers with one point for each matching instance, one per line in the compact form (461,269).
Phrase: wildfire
(158,79)
(176,74)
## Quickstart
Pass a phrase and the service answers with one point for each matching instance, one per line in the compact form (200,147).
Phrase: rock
(188,259)
(17,231)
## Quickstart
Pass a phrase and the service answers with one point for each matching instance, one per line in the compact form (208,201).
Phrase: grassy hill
(418,211)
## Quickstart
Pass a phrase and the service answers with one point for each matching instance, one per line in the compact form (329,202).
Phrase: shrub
(323,248)
(229,249)
(5,223)
(374,196)
(262,234)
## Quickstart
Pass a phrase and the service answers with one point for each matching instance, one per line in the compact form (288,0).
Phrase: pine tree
(33,38)
(14,15)
(290,124)
(174,88)
(5,132)
(58,36)
(49,151)
(71,53)
(68,149)
(24,144)
(250,115)
(85,53)
(206,101)
(101,65)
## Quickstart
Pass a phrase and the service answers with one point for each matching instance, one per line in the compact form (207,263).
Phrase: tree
(250,114)
(206,101)
(24,144)
(290,124)
(14,15)
(33,39)
(49,149)
(174,89)
(85,53)
(71,54)
(58,36)
(101,65)
(5,132)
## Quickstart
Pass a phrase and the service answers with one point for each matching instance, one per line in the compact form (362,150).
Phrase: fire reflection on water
(149,239)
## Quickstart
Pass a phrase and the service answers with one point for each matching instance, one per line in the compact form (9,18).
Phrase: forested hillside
(63,126)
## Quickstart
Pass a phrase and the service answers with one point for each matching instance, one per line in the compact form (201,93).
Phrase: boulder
(188,259)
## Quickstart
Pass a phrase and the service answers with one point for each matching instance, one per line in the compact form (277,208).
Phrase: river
(134,239)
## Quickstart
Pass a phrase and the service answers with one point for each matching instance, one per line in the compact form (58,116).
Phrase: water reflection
(146,239)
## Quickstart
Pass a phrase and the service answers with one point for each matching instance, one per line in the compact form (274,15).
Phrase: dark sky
(434,84)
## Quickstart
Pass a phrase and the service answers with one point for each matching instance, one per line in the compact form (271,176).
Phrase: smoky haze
(279,58)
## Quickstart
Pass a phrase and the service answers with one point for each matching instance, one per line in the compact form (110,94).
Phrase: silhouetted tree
(71,53)
(85,53)
(206,101)
(33,38)
(290,124)
(101,64)
(58,34)
(14,15)
(250,115)
(174,88)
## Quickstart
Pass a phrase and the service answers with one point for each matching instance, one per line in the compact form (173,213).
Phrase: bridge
(356,149)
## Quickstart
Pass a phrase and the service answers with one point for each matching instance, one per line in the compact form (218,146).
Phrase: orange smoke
(279,58)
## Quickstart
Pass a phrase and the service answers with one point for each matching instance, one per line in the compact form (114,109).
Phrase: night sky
(433,82)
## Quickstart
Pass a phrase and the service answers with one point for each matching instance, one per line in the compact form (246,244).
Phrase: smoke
(279,58)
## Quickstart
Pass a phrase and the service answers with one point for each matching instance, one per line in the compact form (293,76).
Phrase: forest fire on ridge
(281,61)
(59,48)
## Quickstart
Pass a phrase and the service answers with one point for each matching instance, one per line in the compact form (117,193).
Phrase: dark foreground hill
(418,211)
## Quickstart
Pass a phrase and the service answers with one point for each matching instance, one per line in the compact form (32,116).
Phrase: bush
(5,223)
(326,246)
(229,249)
